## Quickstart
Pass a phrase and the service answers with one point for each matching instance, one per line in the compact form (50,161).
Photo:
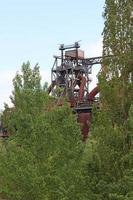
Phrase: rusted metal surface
(92,94)
(72,54)
(84,120)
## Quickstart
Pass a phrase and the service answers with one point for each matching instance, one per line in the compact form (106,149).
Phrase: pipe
(93,93)
(84,120)
(81,89)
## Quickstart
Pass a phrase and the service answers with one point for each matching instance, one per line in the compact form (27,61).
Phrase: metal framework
(68,72)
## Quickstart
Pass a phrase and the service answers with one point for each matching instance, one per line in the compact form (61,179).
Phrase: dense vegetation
(109,154)
(45,159)
(41,160)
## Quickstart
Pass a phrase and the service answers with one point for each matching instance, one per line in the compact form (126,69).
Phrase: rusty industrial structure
(70,80)
(71,74)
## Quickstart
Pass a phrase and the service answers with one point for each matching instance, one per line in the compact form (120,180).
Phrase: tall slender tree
(118,42)
(109,150)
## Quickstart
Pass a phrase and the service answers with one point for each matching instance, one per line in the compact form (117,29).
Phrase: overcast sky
(33,29)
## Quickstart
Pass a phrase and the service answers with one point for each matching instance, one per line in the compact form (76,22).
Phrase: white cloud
(93,49)
(46,75)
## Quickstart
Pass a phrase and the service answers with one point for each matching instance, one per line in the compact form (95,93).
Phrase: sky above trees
(33,30)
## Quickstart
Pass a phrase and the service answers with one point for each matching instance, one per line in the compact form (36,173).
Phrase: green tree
(108,159)
(41,160)
(116,85)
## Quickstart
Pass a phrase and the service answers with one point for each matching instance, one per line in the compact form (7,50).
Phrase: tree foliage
(118,42)
(108,158)
(41,160)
